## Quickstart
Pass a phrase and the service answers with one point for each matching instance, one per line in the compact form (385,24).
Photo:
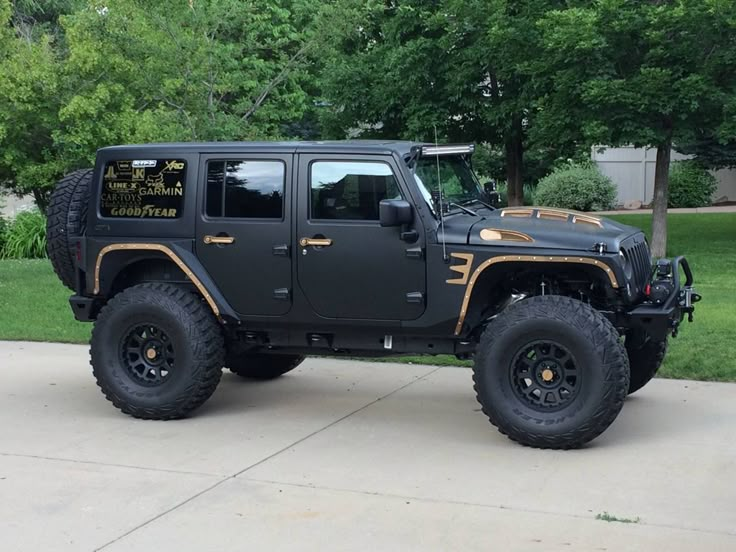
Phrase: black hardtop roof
(401,147)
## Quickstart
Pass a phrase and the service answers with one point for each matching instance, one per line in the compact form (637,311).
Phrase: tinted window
(350,190)
(143,188)
(245,189)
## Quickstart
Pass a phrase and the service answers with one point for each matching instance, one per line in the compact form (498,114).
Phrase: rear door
(349,266)
(243,231)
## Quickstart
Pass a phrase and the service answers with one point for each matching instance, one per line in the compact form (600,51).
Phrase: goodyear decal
(143,188)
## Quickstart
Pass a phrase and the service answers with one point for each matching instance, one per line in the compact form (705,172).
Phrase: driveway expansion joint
(271,456)
(501,507)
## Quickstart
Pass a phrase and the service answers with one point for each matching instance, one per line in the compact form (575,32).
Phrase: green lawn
(33,304)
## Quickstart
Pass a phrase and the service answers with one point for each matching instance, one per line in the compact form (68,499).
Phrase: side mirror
(490,189)
(489,186)
(395,212)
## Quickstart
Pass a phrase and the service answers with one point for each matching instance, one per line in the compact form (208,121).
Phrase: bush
(579,186)
(25,237)
(690,185)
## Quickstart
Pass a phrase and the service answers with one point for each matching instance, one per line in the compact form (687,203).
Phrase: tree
(29,86)
(145,71)
(404,68)
(643,73)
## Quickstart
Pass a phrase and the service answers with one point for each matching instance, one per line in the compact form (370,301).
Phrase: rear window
(143,188)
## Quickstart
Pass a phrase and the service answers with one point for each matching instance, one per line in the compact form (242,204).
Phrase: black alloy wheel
(147,354)
(545,375)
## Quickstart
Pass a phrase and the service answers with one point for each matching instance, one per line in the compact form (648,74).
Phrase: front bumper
(663,317)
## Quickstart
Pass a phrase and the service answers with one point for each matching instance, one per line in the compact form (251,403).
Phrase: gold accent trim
(516,212)
(151,353)
(493,234)
(154,247)
(218,240)
(552,215)
(549,213)
(528,259)
(547,374)
(316,242)
(463,269)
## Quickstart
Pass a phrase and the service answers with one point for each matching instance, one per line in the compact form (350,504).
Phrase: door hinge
(415,253)
(281,250)
(281,294)
(415,297)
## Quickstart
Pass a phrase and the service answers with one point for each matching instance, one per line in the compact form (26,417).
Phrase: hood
(541,227)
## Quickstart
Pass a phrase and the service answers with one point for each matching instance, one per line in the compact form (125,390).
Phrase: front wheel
(551,372)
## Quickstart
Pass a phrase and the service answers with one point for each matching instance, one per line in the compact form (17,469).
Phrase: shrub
(690,185)
(25,237)
(579,186)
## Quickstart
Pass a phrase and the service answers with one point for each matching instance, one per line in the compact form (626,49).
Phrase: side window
(143,188)
(245,189)
(350,190)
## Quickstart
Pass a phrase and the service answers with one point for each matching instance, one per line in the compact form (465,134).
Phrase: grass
(33,304)
(605,516)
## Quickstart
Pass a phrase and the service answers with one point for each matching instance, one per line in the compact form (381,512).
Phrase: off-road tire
(67,220)
(601,361)
(197,342)
(644,360)
(263,366)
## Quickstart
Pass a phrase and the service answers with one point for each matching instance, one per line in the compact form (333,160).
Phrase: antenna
(442,196)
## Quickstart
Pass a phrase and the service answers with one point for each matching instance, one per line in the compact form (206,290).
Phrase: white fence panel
(632,170)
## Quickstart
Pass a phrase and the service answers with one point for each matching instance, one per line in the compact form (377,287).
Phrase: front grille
(636,250)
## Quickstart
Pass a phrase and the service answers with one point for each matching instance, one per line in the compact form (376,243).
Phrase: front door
(243,231)
(349,266)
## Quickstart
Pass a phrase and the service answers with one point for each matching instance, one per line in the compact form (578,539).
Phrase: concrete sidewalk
(342,455)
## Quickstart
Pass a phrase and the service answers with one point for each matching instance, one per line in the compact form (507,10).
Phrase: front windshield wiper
(483,203)
(465,209)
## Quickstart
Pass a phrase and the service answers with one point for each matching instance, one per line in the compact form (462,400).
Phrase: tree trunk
(514,164)
(661,194)
(41,197)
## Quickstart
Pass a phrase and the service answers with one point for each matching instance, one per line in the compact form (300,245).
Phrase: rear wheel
(551,372)
(263,366)
(67,220)
(645,358)
(157,351)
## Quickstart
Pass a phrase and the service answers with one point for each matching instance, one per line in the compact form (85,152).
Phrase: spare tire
(67,220)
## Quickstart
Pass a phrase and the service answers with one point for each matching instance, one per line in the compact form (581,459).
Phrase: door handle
(317,242)
(218,240)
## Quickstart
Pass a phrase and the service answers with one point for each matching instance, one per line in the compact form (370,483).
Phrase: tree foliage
(462,67)
(533,81)
(642,73)
(146,71)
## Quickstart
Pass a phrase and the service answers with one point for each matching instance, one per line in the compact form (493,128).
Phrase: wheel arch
(485,288)
(122,265)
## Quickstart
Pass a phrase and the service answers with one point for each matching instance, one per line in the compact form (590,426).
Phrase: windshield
(459,184)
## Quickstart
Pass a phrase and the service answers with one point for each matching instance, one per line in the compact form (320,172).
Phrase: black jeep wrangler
(251,256)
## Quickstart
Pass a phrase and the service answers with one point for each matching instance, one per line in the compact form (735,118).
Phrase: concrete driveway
(345,455)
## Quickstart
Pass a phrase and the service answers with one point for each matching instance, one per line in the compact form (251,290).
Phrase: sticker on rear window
(143,188)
